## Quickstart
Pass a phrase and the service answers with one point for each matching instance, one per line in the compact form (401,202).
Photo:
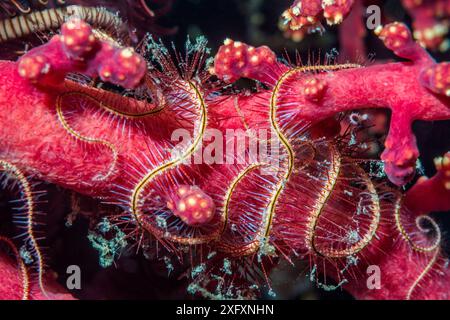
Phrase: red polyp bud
(192,205)
(77,38)
(302,13)
(336,11)
(236,60)
(314,89)
(120,66)
(399,174)
(395,36)
(33,67)
(306,16)
(437,78)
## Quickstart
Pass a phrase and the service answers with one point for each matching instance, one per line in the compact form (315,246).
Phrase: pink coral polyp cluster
(192,205)
(77,42)
(306,16)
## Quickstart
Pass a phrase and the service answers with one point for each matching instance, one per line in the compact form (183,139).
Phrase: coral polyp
(141,128)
